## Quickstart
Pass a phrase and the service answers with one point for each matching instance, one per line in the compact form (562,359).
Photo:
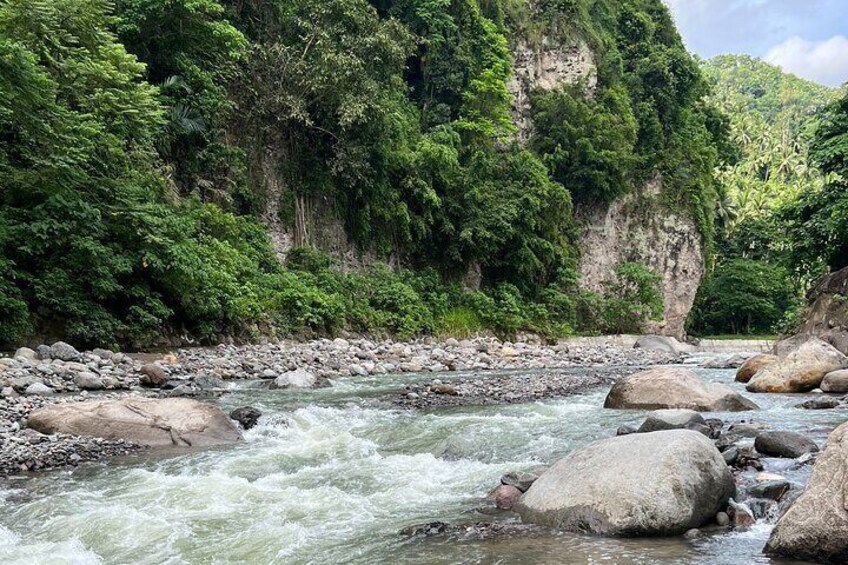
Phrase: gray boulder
(88,381)
(656,484)
(38,389)
(25,353)
(784,444)
(815,527)
(64,351)
(800,371)
(835,381)
(299,378)
(143,421)
(663,343)
(673,419)
(672,387)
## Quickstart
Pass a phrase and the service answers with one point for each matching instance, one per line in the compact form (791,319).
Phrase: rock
(625,429)
(88,381)
(104,354)
(521,481)
(815,527)
(153,375)
(835,381)
(506,496)
(43,351)
(64,351)
(672,419)
(39,389)
(784,444)
(824,403)
(659,484)
(801,371)
(753,365)
(209,382)
(663,343)
(772,490)
(451,342)
(765,477)
(730,455)
(733,362)
(143,421)
(722,519)
(671,387)
(25,353)
(299,378)
(247,416)
(425,530)
(694,533)
(787,345)
(741,516)
(444,388)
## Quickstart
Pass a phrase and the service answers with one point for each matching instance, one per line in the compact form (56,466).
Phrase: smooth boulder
(815,527)
(784,444)
(657,484)
(299,378)
(663,343)
(800,371)
(672,387)
(154,422)
(753,365)
(673,419)
(835,381)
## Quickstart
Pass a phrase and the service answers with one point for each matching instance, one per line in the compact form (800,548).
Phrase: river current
(332,475)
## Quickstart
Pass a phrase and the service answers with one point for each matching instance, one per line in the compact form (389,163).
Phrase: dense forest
(132,134)
(776,224)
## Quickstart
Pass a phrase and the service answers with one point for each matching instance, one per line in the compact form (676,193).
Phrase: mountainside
(161,156)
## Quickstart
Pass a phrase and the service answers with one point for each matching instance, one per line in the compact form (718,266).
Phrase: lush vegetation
(133,135)
(772,239)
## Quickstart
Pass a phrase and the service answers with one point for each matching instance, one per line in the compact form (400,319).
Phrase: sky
(806,37)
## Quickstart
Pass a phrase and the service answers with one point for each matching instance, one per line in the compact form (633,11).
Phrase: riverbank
(59,373)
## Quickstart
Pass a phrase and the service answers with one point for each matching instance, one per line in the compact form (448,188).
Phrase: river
(332,475)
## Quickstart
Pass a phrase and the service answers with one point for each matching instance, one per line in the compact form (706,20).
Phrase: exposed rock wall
(636,228)
(826,316)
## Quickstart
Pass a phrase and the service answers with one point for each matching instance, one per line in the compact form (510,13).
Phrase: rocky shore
(58,373)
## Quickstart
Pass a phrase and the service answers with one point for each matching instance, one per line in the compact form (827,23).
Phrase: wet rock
(753,365)
(64,351)
(722,519)
(673,419)
(824,403)
(801,371)
(784,444)
(741,516)
(835,381)
(209,382)
(153,375)
(730,455)
(247,416)
(625,429)
(815,527)
(672,387)
(521,481)
(772,490)
(662,483)
(299,378)
(761,508)
(425,530)
(506,496)
(143,421)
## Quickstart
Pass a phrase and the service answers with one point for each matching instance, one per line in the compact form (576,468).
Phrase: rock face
(670,387)
(784,444)
(815,528)
(753,365)
(636,227)
(800,371)
(826,316)
(656,484)
(143,421)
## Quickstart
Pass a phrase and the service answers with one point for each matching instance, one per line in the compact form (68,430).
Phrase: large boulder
(673,419)
(784,444)
(657,484)
(64,352)
(673,387)
(835,381)
(789,344)
(299,378)
(800,371)
(663,343)
(815,528)
(753,365)
(153,422)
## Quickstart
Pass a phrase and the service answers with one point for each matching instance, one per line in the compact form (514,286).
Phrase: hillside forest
(138,137)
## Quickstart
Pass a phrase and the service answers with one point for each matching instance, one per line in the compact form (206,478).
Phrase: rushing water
(332,475)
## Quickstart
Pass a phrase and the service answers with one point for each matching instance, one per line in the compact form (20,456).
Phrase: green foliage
(627,302)
(743,296)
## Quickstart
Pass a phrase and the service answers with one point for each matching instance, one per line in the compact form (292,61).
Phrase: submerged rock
(672,387)
(247,416)
(753,365)
(142,421)
(801,371)
(657,484)
(815,527)
(784,444)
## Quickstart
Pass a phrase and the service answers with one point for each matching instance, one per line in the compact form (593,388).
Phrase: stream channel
(332,475)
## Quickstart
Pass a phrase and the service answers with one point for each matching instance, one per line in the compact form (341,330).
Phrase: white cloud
(822,61)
